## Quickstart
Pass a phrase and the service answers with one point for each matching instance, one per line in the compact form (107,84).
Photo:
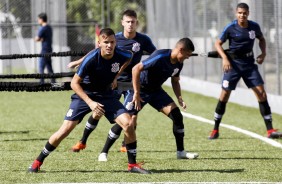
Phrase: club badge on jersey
(136,47)
(252,34)
(115,67)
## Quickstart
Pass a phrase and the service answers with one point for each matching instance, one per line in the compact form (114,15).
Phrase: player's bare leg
(173,112)
(53,143)
(265,111)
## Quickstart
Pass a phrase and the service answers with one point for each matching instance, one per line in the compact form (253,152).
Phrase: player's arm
(94,106)
(136,71)
(75,64)
(226,66)
(262,46)
(38,39)
(177,91)
(114,84)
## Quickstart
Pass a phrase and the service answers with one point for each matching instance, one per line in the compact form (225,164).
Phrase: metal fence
(203,21)
(165,21)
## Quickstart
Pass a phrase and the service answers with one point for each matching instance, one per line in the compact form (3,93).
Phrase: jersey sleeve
(150,47)
(259,34)
(151,60)
(87,64)
(180,68)
(225,33)
(41,32)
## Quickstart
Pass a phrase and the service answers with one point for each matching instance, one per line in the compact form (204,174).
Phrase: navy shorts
(157,99)
(78,108)
(249,74)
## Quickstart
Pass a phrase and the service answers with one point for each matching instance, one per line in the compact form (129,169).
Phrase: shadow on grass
(14,132)
(33,139)
(241,158)
(153,171)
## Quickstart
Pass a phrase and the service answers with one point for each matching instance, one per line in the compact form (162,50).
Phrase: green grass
(28,119)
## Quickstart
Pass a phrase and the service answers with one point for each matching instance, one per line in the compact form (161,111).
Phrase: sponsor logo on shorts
(129,106)
(225,83)
(69,113)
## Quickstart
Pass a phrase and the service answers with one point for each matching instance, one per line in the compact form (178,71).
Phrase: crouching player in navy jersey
(92,85)
(239,63)
(139,44)
(148,77)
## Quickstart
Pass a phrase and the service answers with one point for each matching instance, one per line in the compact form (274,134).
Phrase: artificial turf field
(28,119)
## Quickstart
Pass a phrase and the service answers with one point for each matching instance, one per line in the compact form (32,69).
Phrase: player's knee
(177,118)
(262,96)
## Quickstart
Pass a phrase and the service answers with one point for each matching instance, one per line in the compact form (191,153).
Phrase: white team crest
(225,83)
(175,71)
(136,47)
(69,113)
(115,67)
(129,106)
(252,34)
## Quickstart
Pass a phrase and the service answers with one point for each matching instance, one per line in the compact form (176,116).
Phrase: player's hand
(260,58)
(73,65)
(97,108)
(137,101)
(226,66)
(182,104)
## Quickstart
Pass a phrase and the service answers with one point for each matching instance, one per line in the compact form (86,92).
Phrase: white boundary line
(246,132)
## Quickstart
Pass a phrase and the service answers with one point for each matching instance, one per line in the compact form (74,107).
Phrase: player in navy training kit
(92,85)
(148,77)
(45,35)
(238,63)
(139,44)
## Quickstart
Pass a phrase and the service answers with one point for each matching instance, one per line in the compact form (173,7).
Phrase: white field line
(246,132)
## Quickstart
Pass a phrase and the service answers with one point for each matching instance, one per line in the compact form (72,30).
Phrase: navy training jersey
(140,44)
(98,72)
(157,69)
(241,40)
(46,33)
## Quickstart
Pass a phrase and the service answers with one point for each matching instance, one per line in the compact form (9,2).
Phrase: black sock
(266,114)
(219,111)
(89,127)
(131,152)
(113,135)
(45,152)
(178,128)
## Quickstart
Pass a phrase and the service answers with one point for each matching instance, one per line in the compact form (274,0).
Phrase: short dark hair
(107,32)
(187,44)
(43,16)
(243,6)
(129,13)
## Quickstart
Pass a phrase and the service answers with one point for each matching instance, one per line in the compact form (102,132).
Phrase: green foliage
(28,120)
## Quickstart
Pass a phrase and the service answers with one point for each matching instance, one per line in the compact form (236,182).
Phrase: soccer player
(239,63)
(148,77)
(139,44)
(44,36)
(93,92)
